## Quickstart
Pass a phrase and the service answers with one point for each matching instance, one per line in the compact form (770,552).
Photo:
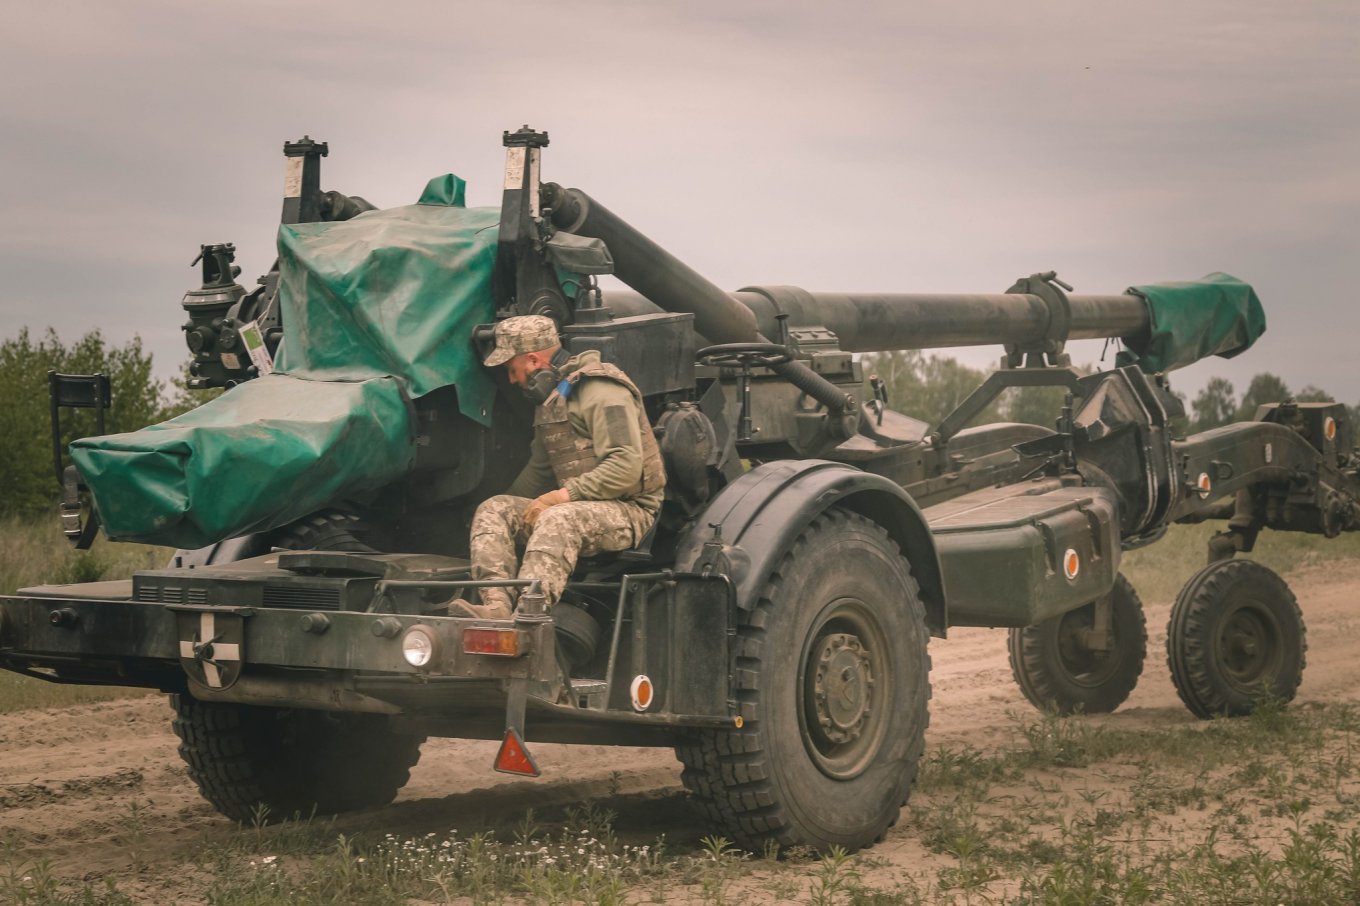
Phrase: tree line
(1217,404)
(28,482)
(927,387)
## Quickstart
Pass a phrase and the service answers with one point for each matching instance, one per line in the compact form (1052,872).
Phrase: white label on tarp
(292,178)
(255,348)
(514,167)
(231,361)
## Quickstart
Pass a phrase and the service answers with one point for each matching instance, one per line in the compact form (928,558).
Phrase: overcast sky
(891,146)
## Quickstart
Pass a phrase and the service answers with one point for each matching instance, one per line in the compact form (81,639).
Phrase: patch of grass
(18,692)
(1159,570)
(1070,812)
(582,862)
(26,882)
(34,552)
(954,769)
(1266,808)
(1057,742)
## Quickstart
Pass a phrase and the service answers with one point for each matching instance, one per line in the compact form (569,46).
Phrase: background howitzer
(773,627)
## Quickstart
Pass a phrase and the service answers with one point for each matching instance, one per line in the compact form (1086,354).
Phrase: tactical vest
(572,455)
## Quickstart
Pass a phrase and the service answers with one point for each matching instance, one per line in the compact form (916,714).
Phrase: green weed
(34,552)
(25,882)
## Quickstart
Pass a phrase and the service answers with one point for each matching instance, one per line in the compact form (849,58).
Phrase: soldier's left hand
(541,503)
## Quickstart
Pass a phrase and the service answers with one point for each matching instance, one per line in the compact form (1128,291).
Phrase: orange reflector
(514,758)
(642,691)
(501,642)
(1071,564)
(1204,484)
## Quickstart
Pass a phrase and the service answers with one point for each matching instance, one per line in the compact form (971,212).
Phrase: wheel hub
(1245,646)
(1089,657)
(842,687)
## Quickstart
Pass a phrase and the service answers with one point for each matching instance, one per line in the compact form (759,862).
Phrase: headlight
(418,646)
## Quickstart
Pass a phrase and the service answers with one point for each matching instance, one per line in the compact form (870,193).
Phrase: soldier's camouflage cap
(521,334)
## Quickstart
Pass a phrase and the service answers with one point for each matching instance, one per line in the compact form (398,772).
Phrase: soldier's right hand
(541,503)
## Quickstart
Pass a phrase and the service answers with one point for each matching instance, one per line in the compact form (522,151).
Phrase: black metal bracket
(76,391)
(1049,350)
(996,383)
(524,280)
(524,137)
(302,180)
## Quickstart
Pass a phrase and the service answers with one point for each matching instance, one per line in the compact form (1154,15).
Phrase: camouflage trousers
(561,535)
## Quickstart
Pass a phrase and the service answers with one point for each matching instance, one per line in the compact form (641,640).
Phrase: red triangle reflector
(514,758)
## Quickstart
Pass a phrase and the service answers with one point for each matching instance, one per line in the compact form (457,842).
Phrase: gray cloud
(875,146)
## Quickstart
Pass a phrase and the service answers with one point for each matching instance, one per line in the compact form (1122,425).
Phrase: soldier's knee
(501,511)
(559,523)
(501,503)
(556,521)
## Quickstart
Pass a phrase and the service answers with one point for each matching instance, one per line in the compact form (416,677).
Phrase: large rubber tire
(328,530)
(1236,638)
(294,762)
(833,682)
(1056,669)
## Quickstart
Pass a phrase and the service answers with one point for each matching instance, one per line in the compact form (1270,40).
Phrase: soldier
(594,480)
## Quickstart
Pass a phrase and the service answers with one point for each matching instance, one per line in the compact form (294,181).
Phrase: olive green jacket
(620,464)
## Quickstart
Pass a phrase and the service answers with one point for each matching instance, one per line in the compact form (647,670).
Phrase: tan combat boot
(495,606)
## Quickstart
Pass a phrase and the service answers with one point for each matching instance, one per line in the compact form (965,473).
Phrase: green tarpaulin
(261,455)
(1218,315)
(373,308)
(393,292)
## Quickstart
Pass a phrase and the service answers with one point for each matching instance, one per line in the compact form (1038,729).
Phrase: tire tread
(727,771)
(1029,660)
(229,758)
(1187,656)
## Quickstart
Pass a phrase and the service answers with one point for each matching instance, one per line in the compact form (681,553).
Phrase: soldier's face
(521,366)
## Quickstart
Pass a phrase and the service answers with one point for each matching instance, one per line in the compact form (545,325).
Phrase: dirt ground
(95,787)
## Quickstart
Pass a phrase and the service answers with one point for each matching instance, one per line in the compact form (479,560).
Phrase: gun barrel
(655,273)
(675,286)
(871,322)
(876,322)
(863,322)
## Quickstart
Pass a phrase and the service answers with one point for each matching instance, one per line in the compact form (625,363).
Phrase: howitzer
(772,627)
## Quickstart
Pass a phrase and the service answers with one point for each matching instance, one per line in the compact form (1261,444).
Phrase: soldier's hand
(541,503)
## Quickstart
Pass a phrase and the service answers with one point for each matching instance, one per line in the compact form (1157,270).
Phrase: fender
(752,521)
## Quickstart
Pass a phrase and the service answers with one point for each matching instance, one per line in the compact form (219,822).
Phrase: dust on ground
(99,791)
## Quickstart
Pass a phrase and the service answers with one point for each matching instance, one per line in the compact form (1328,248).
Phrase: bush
(26,467)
